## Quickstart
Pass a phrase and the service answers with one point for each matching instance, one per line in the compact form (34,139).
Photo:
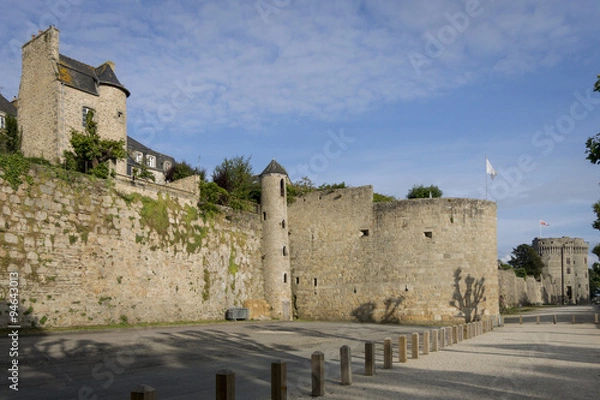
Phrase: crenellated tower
(565,260)
(275,243)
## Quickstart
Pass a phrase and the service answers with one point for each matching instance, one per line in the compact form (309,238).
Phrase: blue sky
(388,93)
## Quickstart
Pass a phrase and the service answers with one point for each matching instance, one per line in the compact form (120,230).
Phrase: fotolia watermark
(509,181)
(266,8)
(437,42)
(318,163)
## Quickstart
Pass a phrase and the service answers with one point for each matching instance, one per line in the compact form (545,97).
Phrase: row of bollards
(433,341)
(555,319)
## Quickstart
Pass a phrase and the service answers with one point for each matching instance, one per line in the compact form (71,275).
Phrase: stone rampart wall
(516,291)
(88,255)
(399,261)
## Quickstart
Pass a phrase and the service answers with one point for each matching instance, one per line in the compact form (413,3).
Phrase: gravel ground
(534,361)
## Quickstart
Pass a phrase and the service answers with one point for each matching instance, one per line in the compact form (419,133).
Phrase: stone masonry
(565,261)
(87,254)
(408,260)
(53,93)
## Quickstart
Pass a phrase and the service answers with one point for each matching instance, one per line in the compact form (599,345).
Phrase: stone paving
(542,361)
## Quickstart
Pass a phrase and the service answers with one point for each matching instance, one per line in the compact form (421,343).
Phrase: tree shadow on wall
(365,312)
(468,302)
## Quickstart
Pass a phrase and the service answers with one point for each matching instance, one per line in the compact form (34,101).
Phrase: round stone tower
(565,260)
(275,243)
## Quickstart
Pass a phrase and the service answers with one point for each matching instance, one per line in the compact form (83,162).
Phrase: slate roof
(134,145)
(274,168)
(7,107)
(87,78)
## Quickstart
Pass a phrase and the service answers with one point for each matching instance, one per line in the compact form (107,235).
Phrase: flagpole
(486,174)
(540,229)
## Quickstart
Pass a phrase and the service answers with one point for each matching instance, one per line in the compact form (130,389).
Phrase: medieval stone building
(56,93)
(565,262)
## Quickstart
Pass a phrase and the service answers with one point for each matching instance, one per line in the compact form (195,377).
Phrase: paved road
(544,361)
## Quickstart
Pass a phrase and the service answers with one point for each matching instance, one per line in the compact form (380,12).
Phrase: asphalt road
(533,361)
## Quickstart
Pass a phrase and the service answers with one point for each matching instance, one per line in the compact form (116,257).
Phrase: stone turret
(565,260)
(275,244)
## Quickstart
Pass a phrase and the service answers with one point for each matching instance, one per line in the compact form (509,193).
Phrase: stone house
(6,108)
(57,92)
(157,163)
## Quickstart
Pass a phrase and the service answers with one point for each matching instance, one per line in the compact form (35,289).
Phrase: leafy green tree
(423,192)
(525,257)
(332,186)
(593,155)
(91,153)
(594,274)
(182,170)
(236,177)
(298,188)
(10,138)
(381,198)
(503,265)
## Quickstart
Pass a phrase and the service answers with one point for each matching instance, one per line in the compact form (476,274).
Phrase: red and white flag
(544,223)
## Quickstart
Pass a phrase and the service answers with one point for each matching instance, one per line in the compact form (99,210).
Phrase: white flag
(489,169)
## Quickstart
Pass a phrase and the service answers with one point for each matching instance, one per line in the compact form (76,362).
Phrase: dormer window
(139,157)
(166,165)
(151,161)
(84,113)
(2,122)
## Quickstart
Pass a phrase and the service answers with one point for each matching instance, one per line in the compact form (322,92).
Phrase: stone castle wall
(516,291)
(87,255)
(399,261)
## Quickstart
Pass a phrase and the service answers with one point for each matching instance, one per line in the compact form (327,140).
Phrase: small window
(283,224)
(285,251)
(84,113)
(166,165)
(2,122)
(315,282)
(364,232)
(568,270)
(428,234)
(151,161)
(285,278)
(282,187)
(264,215)
(297,280)
(568,261)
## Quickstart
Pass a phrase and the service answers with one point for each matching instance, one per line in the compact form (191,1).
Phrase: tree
(91,153)
(593,155)
(183,170)
(423,192)
(525,257)
(594,273)
(382,198)
(10,140)
(332,186)
(235,175)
